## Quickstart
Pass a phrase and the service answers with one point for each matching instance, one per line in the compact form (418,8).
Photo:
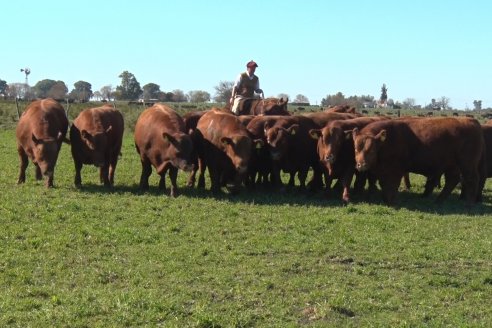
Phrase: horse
(267,106)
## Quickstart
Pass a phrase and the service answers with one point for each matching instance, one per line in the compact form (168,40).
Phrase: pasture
(94,257)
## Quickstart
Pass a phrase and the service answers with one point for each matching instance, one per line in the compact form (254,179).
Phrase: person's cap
(251,64)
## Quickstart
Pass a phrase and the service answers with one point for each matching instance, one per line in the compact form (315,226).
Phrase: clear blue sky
(420,49)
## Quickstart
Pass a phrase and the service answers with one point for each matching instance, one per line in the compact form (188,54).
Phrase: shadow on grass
(409,200)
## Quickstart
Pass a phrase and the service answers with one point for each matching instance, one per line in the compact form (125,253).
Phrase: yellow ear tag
(258,145)
(293,132)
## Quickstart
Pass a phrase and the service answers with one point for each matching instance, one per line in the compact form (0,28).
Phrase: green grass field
(123,258)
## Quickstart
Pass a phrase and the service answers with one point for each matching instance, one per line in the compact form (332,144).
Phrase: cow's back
(99,119)
(45,119)
(216,124)
(156,120)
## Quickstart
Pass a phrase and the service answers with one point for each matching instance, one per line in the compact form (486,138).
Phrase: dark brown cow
(162,142)
(226,149)
(336,151)
(430,146)
(40,132)
(267,106)
(292,150)
(96,135)
(191,119)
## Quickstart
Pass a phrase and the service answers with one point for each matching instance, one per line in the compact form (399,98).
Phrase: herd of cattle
(336,144)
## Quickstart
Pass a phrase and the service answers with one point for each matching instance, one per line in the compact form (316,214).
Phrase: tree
(97,95)
(444,103)
(333,100)
(301,99)
(198,96)
(477,105)
(19,90)
(151,91)
(3,88)
(130,88)
(223,91)
(59,90)
(384,94)
(409,103)
(107,92)
(178,96)
(82,91)
(43,87)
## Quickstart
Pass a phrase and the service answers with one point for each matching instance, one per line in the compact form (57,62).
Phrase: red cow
(40,132)
(96,135)
(226,149)
(336,151)
(428,146)
(162,142)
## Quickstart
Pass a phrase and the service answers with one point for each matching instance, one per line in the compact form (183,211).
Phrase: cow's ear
(355,132)
(226,141)
(109,128)
(348,134)
(35,140)
(381,135)
(315,133)
(258,143)
(85,134)
(293,129)
(167,137)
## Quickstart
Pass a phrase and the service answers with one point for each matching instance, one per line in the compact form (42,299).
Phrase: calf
(431,147)
(96,135)
(162,142)
(226,149)
(40,132)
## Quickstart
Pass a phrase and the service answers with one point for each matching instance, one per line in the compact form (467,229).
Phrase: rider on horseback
(245,86)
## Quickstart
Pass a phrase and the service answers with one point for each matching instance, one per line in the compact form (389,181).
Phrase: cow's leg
(37,171)
(389,186)
(146,172)
(360,181)
(192,176)
(162,174)
(201,176)
(471,183)
(112,169)
(78,178)
(173,174)
(49,179)
(346,182)
(214,179)
(104,175)
(430,184)
(406,182)
(24,161)
(451,179)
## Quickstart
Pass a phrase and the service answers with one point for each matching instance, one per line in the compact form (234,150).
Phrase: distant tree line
(130,89)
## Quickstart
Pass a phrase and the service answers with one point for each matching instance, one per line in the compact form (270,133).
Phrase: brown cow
(292,150)
(96,135)
(336,151)
(40,132)
(226,149)
(429,146)
(162,142)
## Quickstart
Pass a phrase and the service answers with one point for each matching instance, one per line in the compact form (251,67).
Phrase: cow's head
(181,149)
(366,148)
(275,106)
(238,149)
(45,153)
(330,141)
(97,145)
(278,138)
